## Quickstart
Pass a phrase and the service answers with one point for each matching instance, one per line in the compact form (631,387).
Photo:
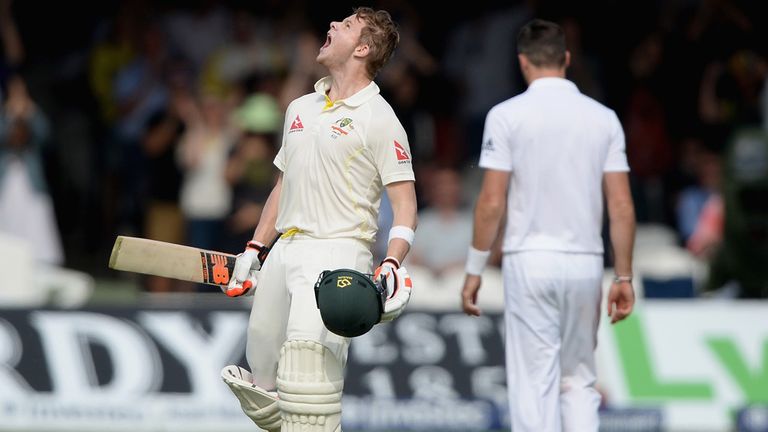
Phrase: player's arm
(249,262)
(489,210)
(394,277)
(391,153)
(497,159)
(402,195)
(265,230)
(621,215)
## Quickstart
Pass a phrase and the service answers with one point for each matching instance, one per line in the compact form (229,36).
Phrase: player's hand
(398,284)
(247,265)
(621,300)
(244,288)
(386,271)
(469,295)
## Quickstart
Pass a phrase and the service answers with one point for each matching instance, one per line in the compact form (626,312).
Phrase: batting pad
(258,404)
(310,380)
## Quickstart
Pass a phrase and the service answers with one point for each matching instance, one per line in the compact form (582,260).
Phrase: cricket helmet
(350,302)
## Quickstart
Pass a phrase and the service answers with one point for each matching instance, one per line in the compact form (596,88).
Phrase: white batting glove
(398,284)
(247,266)
(386,271)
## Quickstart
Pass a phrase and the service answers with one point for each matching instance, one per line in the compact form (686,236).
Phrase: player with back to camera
(549,154)
(342,146)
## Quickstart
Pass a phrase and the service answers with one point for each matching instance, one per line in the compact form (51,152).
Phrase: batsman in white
(549,154)
(342,146)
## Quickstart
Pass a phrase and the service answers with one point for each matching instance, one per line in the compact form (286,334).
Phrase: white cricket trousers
(284,306)
(552,310)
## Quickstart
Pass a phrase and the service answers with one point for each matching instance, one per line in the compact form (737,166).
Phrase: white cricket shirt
(336,159)
(557,143)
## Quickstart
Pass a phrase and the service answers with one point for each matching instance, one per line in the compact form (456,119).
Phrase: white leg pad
(310,380)
(257,403)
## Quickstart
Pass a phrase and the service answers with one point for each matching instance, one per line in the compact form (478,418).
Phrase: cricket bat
(171,260)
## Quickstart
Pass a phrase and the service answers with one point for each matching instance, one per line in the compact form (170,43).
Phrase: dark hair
(543,42)
(380,34)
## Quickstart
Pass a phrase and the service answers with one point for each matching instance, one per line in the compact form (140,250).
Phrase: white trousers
(552,310)
(284,306)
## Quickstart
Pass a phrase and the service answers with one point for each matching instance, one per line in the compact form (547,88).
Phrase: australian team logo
(402,155)
(341,127)
(296,125)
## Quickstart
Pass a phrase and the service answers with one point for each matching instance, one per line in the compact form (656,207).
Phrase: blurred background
(160,119)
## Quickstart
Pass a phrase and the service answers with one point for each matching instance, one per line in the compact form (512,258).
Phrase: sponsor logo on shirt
(296,126)
(341,127)
(402,155)
(488,145)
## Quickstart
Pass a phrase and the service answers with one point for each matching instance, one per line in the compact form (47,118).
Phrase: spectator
(707,234)
(13,49)
(140,91)
(163,220)
(692,199)
(730,90)
(199,31)
(445,226)
(744,250)
(649,147)
(480,58)
(303,71)
(584,69)
(112,53)
(249,169)
(26,210)
(253,51)
(206,197)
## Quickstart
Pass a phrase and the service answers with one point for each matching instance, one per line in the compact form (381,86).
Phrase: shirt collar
(324,84)
(553,82)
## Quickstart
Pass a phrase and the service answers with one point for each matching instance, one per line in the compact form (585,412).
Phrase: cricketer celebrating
(342,145)
(546,154)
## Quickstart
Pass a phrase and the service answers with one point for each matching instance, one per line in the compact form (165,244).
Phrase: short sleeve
(391,151)
(279,161)
(496,152)
(616,160)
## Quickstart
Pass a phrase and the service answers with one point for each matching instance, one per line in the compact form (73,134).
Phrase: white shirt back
(557,143)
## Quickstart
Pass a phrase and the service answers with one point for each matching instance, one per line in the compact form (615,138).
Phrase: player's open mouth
(327,41)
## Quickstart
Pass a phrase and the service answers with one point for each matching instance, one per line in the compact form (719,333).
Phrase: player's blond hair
(380,34)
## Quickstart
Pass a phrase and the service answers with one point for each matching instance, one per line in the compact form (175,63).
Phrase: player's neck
(346,83)
(536,73)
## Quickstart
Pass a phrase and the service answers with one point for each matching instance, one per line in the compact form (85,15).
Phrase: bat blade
(175,261)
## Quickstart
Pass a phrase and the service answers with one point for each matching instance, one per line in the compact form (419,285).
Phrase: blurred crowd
(161,119)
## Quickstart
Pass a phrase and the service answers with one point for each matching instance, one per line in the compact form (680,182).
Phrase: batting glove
(247,266)
(386,272)
(398,284)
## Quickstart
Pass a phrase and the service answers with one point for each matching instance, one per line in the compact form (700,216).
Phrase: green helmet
(350,302)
